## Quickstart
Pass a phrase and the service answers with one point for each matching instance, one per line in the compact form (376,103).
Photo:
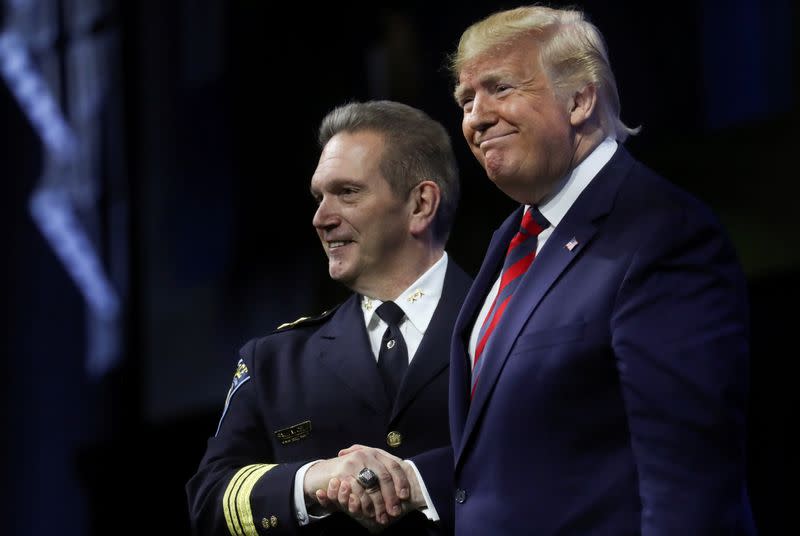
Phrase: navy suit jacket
(305,392)
(613,395)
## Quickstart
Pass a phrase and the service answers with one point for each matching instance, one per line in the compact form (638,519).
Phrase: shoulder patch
(306,320)
(240,376)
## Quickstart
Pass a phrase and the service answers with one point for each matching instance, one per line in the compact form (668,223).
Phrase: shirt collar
(554,208)
(418,301)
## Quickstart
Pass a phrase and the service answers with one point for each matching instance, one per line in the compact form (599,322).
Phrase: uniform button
(265,522)
(394,438)
(461,495)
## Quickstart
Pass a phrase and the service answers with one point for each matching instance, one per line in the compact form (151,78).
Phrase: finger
(322,499)
(393,485)
(402,487)
(367,508)
(378,506)
(343,495)
(372,500)
(353,498)
(334,486)
(359,502)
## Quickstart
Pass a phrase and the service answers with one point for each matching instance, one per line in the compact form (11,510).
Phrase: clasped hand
(333,485)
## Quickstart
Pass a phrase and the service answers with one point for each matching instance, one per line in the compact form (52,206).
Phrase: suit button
(394,438)
(461,495)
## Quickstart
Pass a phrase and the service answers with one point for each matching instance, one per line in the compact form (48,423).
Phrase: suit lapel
(346,353)
(461,366)
(551,261)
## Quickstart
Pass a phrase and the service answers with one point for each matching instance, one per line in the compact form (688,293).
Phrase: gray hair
(417,149)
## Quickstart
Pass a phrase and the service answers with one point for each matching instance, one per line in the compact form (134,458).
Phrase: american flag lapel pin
(571,244)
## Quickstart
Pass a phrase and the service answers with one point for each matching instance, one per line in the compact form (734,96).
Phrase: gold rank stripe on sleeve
(236,501)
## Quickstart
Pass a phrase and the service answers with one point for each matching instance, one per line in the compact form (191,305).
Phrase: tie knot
(533,222)
(390,313)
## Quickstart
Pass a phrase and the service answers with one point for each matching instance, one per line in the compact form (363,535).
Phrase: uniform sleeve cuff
(301,511)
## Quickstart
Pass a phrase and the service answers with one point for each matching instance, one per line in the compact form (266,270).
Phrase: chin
(335,274)
(339,274)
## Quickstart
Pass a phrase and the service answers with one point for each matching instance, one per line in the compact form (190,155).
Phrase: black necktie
(393,356)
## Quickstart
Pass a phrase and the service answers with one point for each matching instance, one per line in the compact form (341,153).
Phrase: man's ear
(582,105)
(424,202)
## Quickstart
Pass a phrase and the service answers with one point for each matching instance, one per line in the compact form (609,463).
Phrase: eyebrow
(459,93)
(337,183)
(487,79)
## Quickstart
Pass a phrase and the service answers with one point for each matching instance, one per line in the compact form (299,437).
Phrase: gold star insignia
(414,296)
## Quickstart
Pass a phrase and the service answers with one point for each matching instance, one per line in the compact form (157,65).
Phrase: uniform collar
(418,301)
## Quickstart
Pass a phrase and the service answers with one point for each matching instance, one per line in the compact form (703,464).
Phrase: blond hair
(572,50)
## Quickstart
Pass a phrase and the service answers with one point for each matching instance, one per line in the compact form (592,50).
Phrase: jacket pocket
(550,337)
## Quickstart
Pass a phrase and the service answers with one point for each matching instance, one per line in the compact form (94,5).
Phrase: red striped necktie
(519,256)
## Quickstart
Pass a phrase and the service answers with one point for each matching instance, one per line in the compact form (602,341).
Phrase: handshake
(372,486)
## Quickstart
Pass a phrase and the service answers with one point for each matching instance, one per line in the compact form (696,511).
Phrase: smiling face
(514,123)
(362,224)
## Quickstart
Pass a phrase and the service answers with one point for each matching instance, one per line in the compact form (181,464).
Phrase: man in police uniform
(387,190)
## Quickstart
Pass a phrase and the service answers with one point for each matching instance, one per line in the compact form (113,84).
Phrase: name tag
(294,433)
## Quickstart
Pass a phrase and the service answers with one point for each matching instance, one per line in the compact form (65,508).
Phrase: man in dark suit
(387,190)
(599,371)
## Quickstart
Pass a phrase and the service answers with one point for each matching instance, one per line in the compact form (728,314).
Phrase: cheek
(465,130)
(468,134)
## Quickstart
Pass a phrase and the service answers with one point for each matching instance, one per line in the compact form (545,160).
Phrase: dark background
(208,146)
